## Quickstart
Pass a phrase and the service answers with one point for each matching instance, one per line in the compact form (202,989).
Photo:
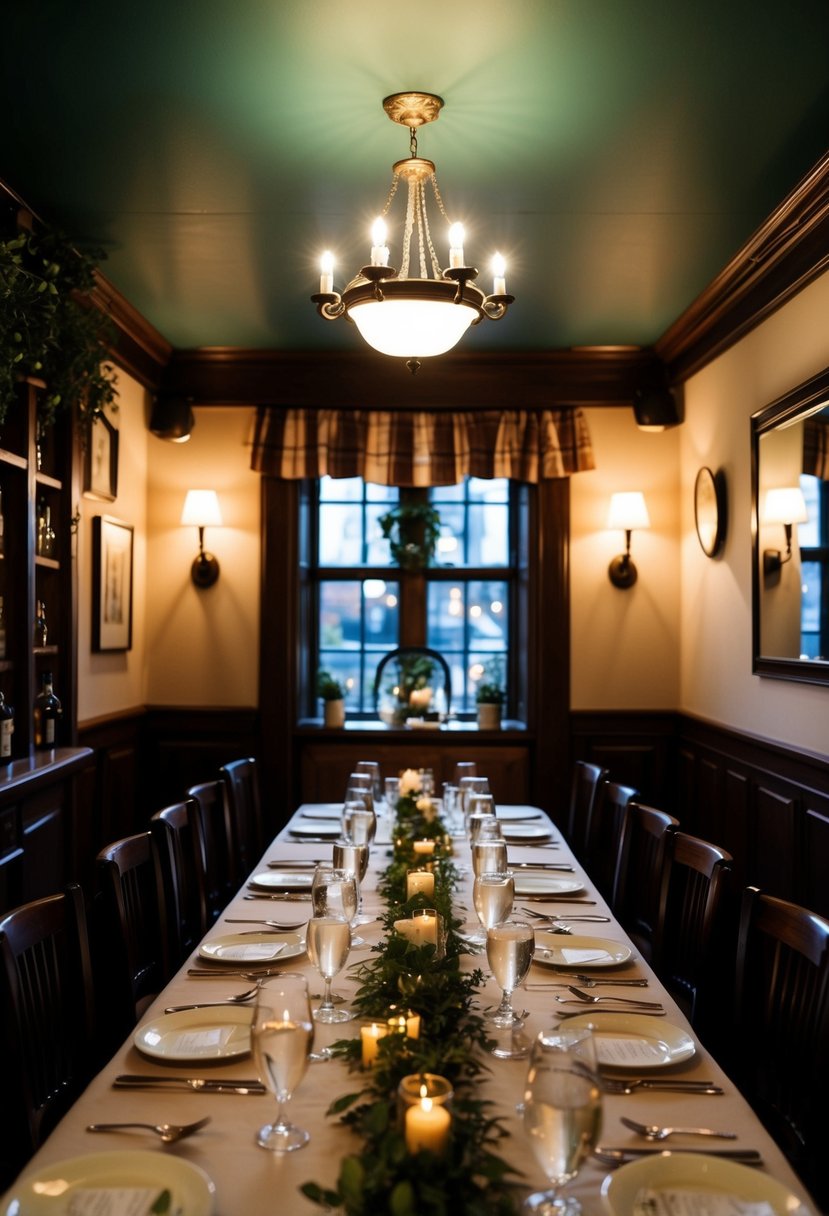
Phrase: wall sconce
(201,509)
(172,417)
(787,506)
(627,511)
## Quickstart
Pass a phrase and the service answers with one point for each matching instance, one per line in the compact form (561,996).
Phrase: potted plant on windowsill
(412,530)
(490,696)
(332,693)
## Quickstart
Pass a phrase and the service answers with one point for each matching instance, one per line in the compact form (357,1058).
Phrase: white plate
(517,812)
(317,827)
(635,1040)
(578,952)
(545,884)
(697,1171)
(282,880)
(252,948)
(50,1190)
(322,810)
(196,1034)
(525,831)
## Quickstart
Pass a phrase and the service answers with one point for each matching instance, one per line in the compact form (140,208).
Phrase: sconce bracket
(205,570)
(772,562)
(622,571)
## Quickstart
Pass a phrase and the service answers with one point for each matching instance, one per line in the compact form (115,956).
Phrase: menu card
(671,1202)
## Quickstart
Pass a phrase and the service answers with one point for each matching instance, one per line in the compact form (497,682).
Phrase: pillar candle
(427,1127)
(370,1036)
(420,882)
(403,1021)
(424,847)
(426,927)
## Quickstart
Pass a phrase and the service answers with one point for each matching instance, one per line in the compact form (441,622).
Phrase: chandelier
(400,312)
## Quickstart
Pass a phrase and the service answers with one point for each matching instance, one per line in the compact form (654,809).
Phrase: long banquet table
(251,1181)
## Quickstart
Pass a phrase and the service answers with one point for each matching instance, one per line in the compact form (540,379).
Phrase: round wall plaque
(710,511)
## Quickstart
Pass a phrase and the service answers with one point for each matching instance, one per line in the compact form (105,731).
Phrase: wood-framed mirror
(790,534)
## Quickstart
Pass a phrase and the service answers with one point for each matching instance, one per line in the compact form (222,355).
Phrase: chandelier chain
(407,231)
(441,207)
(395,181)
(413,141)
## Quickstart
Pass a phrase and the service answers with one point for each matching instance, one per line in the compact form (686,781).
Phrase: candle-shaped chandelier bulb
(456,236)
(499,270)
(327,273)
(379,249)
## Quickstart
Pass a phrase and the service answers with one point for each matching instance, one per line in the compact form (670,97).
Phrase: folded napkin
(651,1201)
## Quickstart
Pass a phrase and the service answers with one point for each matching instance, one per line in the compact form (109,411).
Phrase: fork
(271,924)
(593,919)
(615,1085)
(168,1132)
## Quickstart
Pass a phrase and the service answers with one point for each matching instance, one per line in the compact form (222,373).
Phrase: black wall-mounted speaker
(657,407)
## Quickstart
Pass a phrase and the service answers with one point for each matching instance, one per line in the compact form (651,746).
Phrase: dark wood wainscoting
(768,805)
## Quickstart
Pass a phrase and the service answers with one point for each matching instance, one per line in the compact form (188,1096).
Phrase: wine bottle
(2,628)
(41,628)
(6,729)
(47,710)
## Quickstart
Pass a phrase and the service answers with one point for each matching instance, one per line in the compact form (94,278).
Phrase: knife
(197,1084)
(560,899)
(541,865)
(291,897)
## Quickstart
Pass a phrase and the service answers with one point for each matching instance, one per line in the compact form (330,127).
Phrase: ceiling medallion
(407,316)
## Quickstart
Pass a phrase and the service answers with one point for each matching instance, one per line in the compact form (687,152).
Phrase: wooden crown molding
(138,347)
(788,251)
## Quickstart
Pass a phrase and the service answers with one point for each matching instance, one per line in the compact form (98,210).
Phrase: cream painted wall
(203,646)
(115,681)
(625,643)
(716,682)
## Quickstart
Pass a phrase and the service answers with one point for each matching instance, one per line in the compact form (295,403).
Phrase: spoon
(619,1000)
(168,1132)
(652,1131)
(238,999)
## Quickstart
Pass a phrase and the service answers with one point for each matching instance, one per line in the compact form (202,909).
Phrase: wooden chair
(47,1011)
(177,846)
(245,807)
(639,873)
(781,1027)
(691,893)
(604,836)
(130,937)
(587,780)
(212,815)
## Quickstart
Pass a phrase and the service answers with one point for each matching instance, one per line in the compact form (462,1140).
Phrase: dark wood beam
(231,376)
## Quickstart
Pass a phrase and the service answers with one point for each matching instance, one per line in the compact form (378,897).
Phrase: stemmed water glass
(281,1036)
(328,941)
(562,1112)
(359,823)
(353,859)
(372,768)
(509,951)
(492,896)
(489,856)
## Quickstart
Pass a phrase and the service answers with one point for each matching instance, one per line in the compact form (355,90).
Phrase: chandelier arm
(329,304)
(495,307)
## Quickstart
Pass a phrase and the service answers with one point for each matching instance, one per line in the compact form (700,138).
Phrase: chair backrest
(245,807)
(605,834)
(177,845)
(584,788)
(694,875)
(212,815)
(47,1010)
(639,873)
(782,1027)
(130,928)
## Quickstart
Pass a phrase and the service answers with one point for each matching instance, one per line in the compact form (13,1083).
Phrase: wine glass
(328,941)
(360,788)
(359,823)
(465,768)
(281,1036)
(334,891)
(562,1112)
(391,790)
(509,951)
(492,896)
(353,859)
(483,826)
(489,856)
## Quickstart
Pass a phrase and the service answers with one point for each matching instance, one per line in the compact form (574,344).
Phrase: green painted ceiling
(618,152)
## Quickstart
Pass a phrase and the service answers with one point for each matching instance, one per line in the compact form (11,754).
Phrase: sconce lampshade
(785,505)
(628,511)
(201,509)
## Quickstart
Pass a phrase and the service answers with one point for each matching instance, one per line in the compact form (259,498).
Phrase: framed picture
(100,464)
(111,584)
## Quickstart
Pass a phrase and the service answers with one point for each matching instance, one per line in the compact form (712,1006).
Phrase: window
(461,605)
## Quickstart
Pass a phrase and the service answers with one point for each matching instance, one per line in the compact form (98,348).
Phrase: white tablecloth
(256,1183)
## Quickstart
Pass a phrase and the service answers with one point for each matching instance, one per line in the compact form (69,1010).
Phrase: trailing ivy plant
(412,530)
(49,328)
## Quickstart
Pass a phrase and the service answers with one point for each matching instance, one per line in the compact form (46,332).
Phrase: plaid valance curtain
(816,447)
(438,448)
